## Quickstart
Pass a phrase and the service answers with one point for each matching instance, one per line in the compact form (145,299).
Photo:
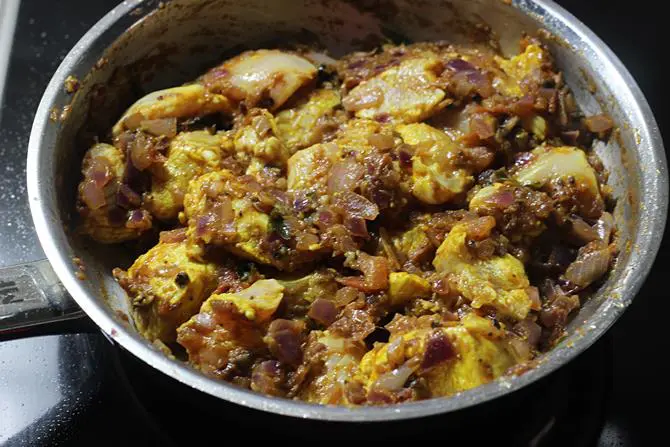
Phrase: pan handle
(34,302)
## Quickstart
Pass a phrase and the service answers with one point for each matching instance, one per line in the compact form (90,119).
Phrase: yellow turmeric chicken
(400,224)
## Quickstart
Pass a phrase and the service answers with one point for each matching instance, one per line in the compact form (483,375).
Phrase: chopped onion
(127,198)
(139,219)
(344,176)
(356,205)
(588,267)
(140,152)
(93,195)
(346,295)
(98,170)
(520,348)
(604,227)
(285,340)
(394,380)
(584,232)
(323,311)
(534,295)
(530,330)
(439,349)
(388,248)
(304,241)
(160,127)
(356,226)
(375,273)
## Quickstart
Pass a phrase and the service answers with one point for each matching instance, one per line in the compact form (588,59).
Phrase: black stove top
(81,390)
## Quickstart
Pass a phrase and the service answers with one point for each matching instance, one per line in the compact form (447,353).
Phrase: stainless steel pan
(144,45)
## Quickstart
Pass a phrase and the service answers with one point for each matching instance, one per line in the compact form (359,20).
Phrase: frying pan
(142,46)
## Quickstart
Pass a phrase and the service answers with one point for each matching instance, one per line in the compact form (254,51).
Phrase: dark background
(636,31)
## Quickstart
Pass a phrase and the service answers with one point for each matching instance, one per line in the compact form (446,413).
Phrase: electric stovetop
(81,390)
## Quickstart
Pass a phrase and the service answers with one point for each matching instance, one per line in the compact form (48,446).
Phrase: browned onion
(530,330)
(466,79)
(323,311)
(93,195)
(588,267)
(534,295)
(139,219)
(353,323)
(520,348)
(284,340)
(356,205)
(388,248)
(346,295)
(480,228)
(483,125)
(344,176)
(584,232)
(268,378)
(160,127)
(375,273)
(356,226)
(305,240)
(127,198)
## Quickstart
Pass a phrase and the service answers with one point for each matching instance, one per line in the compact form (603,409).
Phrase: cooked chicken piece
(225,210)
(404,287)
(257,143)
(178,102)
(522,71)
(436,177)
(406,93)
(566,175)
(447,359)
(166,288)
(300,293)
(335,364)
(263,78)
(309,168)
(220,211)
(499,281)
(311,121)
(190,155)
(222,338)
(107,218)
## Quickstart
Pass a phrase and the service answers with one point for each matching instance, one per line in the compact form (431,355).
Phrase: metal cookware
(144,45)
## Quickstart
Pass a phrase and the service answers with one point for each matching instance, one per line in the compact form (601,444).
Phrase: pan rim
(652,218)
